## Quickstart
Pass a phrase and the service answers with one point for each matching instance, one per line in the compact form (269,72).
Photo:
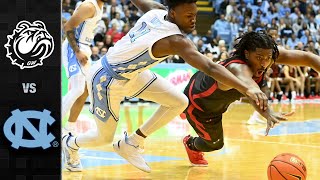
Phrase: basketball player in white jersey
(123,71)
(76,51)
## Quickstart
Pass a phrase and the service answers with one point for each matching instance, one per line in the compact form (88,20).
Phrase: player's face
(259,60)
(184,16)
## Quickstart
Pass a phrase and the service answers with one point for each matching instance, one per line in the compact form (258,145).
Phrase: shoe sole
(116,149)
(199,165)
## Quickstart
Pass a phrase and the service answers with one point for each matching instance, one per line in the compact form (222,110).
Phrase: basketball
(287,166)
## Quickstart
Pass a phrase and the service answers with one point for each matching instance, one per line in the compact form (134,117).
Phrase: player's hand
(82,58)
(259,97)
(276,117)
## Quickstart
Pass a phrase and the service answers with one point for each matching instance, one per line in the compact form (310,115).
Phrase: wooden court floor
(245,156)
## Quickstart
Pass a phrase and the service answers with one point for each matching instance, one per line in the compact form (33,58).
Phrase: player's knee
(183,102)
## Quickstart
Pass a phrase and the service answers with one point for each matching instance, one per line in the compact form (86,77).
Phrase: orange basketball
(287,166)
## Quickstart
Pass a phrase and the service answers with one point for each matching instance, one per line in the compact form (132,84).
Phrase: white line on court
(270,142)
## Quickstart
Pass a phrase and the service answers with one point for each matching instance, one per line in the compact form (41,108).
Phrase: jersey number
(140,32)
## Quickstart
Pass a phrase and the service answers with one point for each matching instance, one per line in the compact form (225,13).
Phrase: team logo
(21,121)
(29,44)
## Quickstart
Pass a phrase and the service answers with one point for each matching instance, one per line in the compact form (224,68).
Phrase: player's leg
(317,86)
(105,104)
(77,84)
(126,107)
(210,138)
(141,106)
(172,103)
(75,112)
(278,88)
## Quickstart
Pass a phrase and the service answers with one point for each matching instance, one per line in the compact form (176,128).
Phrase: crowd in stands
(297,23)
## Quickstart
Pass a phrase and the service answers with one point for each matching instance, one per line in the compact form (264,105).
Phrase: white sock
(293,94)
(280,93)
(72,142)
(287,94)
(71,127)
(271,94)
(135,139)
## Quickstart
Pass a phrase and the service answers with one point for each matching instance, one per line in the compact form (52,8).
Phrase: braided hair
(252,40)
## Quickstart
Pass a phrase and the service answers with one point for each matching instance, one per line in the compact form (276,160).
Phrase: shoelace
(140,148)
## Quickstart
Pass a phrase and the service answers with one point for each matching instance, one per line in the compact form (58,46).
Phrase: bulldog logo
(29,44)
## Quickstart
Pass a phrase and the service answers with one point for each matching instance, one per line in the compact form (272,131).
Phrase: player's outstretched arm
(185,49)
(147,5)
(298,58)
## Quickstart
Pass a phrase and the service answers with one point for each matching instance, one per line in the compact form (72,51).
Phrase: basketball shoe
(255,119)
(195,157)
(132,153)
(71,155)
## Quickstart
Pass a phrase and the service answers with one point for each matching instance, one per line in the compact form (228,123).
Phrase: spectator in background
(301,32)
(100,45)
(117,20)
(297,26)
(272,13)
(293,41)
(223,28)
(286,32)
(284,9)
(194,37)
(134,16)
(305,36)
(317,17)
(126,18)
(208,37)
(95,53)
(223,7)
(223,56)
(313,26)
(108,41)
(103,51)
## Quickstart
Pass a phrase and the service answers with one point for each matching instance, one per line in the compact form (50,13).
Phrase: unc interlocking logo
(20,121)
(29,44)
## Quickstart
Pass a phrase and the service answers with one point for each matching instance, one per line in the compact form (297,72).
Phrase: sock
(271,94)
(287,94)
(293,94)
(280,93)
(254,116)
(135,139)
(190,143)
(71,127)
(72,142)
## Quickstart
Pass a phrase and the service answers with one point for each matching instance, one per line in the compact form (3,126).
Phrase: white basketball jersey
(85,31)
(132,54)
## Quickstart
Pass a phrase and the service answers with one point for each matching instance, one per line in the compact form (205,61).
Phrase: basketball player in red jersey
(209,99)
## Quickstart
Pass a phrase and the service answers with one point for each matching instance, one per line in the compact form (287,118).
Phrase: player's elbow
(66,27)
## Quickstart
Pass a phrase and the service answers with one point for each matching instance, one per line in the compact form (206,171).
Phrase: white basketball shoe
(132,153)
(71,155)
